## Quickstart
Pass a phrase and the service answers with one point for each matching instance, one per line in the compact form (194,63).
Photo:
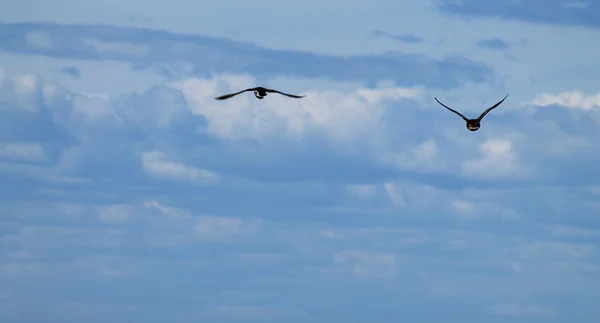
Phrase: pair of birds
(261,92)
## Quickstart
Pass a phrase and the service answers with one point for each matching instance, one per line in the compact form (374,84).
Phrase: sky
(129,193)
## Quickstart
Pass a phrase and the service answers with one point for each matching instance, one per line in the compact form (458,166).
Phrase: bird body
(473,124)
(259,92)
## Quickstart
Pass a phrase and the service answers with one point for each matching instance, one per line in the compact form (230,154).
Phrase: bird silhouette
(259,92)
(473,124)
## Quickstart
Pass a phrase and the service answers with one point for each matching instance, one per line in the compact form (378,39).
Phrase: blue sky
(129,193)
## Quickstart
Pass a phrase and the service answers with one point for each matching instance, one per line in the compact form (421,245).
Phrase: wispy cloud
(202,55)
(154,163)
(578,13)
(494,43)
(22,152)
(571,99)
(402,38)
(72,71)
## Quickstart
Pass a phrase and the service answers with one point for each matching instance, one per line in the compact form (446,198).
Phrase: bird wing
(491,108)
(227,96)
(447,107)
(286,94)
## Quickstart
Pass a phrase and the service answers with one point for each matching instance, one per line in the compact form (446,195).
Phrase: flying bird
(259,92)
(473,124)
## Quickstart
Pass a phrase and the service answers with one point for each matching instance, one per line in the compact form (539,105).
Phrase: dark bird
(473,124)
(259,92)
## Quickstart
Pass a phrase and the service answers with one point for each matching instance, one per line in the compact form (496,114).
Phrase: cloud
(169,211)
(153,162)
(368,264)
(176,55)
(72,71)
(362,191)
(494,43)
(395,194)
(116,213)
(352,118)
(463,208)
(362,194)
(27,130)
(561,12)
(571,231)
(223,228)
(39,40)
(118,48)
(401,38)
(572,99)
(411,260)
(359,132)
(346,121)
(18,90)
(22,152)
(498,160)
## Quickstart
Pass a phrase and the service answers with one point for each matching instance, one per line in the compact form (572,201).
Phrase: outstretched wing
(227,96)
(447,107)
(286,94)
(491,108)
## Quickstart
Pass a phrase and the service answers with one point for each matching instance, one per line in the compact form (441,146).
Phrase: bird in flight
(259,92)
(473,124)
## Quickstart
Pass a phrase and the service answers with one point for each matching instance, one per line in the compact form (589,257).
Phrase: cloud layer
(174,55)
(128,192)
(577,13)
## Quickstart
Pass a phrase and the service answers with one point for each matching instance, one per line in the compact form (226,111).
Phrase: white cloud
(559,258)
(368,264)
(521,310)
(375,96)
(558,250)
(364,121)
(18,90)
(362,191)
(169,211)
(25,84)
(213,228)
(178,226)
(28,152)
(118,47)
(355,121)
(571,231)
(54,94)
(416,196)
(116,213)
(94,106)
(424,156)
(395,194)
(463,208)
(153,162)
(39,39)
(342,116)
(575,99)
(499,160)
(21,268)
